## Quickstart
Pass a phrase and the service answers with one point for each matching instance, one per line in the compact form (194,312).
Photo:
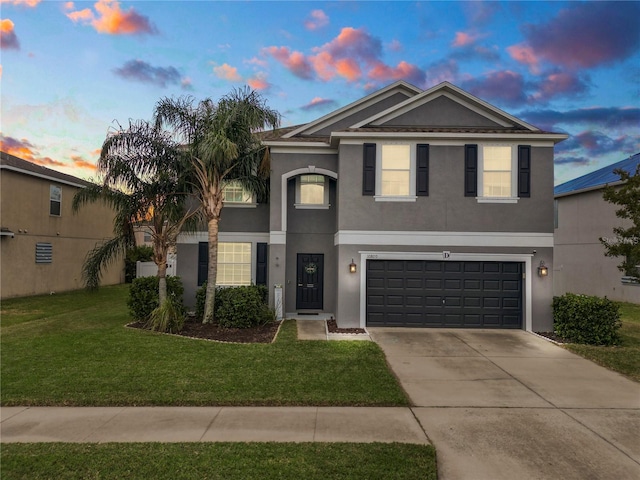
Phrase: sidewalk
(209,424)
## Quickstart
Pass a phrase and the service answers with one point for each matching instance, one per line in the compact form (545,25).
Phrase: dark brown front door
(310,276)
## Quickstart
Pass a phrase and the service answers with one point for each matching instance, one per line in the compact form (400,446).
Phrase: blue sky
(70,69)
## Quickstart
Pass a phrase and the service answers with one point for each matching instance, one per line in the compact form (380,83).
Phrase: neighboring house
(43,243)
(405,208)
(582,217)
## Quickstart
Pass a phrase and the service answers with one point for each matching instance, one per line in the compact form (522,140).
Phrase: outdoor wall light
(543,270)
(353,268)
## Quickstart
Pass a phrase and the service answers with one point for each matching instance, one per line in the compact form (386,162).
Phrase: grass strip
(73,349)
(623,358)
(226,461)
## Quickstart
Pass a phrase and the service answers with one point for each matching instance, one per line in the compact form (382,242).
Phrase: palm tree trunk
(162,282)
(212,272)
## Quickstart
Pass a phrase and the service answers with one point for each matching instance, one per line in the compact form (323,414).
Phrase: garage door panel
(472,284)
(444,294)
(491,285)
(511,286)
(453,284)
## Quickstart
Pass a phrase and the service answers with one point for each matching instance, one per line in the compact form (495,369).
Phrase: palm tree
(142,183)
(222,147)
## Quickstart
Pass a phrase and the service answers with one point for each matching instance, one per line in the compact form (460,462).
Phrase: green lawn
(624,358)
(73,349)
(228,461)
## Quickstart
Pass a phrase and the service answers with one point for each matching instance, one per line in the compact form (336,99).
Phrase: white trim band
(449,239)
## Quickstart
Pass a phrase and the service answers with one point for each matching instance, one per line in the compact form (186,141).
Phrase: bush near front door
(586,319)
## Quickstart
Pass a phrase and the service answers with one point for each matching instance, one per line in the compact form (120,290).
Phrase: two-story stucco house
(405,208)
(43,244)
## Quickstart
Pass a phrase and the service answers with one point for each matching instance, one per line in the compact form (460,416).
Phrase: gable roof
(456,94)
(599,178)
(16,164)
(362,119)
(398,87)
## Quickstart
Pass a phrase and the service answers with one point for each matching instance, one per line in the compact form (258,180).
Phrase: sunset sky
(70,70)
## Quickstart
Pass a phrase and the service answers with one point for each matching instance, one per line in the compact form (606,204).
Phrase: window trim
(411,197)
(250,203)
(250,263)
(513,198)
(51,200)
(312,206)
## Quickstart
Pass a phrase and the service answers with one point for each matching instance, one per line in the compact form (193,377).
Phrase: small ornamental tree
(626,243)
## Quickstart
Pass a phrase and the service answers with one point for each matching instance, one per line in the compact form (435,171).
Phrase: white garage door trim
(470,257)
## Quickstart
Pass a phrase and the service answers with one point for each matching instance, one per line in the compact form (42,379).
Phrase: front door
(310,276)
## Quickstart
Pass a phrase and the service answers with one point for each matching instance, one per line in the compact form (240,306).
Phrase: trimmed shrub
(586,319)
(142,253)
(143,296)
(238,307)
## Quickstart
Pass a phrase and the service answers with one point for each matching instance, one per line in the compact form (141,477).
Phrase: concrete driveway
(510,405)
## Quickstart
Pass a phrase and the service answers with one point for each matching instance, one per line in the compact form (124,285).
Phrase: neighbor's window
(234,263)
(395,173)
(497,171)
(234,192)
(55,200)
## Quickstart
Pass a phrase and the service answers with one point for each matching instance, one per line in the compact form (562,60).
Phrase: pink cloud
(318,102)
(559,84)
(524,54)
(227,72)
(109,18)
(25,150)
(293,61)
(317,19)
(8,37)
(27,3)
(463,39)
(587,34)
(403,70)
(351,55)
(259,82)
(80,162)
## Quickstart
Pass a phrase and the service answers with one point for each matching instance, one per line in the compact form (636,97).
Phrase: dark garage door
(421,293)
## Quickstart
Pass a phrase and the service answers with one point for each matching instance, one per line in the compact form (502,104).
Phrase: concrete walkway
(508,404)
(209,424)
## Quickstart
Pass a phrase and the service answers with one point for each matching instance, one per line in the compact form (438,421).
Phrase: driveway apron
(507,404)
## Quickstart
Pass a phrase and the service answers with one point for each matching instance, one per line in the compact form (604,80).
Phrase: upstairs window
(235,193)
(55,200)
(312,191)
(395,170)
(497,171)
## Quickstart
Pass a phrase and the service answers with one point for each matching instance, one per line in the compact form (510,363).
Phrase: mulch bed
(553,336)
(332,326)
(212,331)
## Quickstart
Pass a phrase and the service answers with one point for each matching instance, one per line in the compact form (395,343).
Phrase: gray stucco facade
(441,214)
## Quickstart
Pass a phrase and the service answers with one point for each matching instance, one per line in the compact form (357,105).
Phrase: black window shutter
(203,262)
(524,170)
(261,264)
(369,169)
(422,170)
(471,170)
